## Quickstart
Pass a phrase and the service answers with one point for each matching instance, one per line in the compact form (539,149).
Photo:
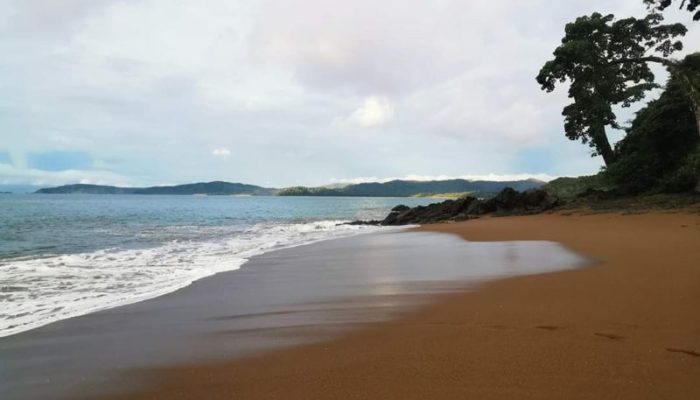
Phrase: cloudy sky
(283,92)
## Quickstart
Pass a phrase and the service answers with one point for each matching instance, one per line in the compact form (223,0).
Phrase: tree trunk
(696,109)
(693,95)
(691,90)
(602,144)
(695,104)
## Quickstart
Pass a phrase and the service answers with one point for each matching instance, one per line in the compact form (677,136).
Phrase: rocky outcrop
(507,202)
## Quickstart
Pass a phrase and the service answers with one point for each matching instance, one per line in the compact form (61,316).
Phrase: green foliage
(401,188)
(658,149)
(86,189)
(307,191)
(606,63)
(685,178)
(568,188)
(689,5)
(209,188)
(451,196)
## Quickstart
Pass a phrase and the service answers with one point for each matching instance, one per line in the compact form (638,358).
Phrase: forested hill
(209,188)
(395,188)
(399,188)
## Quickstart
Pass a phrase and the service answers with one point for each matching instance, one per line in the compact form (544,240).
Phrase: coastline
(625,329)
(284,298)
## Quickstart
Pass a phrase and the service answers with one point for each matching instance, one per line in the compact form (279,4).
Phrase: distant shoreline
(396,188)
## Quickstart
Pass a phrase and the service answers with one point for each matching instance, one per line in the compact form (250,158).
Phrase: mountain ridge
(213,188)
(394,188)
(408,188)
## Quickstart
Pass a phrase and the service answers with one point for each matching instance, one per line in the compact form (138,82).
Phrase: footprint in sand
(688,352)
(549,327)
(610,336)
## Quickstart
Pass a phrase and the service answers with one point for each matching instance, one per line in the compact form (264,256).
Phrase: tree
(659,150)
(607,64)
(690,5)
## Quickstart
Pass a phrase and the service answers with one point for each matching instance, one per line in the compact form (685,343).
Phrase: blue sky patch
(5,158)
(60,160)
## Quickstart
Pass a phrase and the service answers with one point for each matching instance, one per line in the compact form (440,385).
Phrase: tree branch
(660,60)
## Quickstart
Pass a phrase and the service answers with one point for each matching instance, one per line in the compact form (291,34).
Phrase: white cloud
(10,175)
(445,86)
(373,112)
(221,152)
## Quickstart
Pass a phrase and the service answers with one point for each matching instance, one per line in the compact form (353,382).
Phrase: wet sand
(280,299)
(626,329)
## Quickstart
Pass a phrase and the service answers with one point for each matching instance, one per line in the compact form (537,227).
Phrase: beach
(306,200)
(280,299)
(626,328)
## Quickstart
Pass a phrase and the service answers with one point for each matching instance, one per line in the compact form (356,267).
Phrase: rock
(512,202)
(507,202)
(371,222)
(482,207)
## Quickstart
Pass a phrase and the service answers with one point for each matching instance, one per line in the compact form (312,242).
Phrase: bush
(686,177)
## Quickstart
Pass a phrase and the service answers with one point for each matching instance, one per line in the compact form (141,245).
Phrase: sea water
(63,256)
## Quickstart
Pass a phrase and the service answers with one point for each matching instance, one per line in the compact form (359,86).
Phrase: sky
(285,92)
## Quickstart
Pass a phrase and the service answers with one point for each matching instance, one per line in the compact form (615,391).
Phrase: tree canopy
(659,150)
(690,5)
(606,62)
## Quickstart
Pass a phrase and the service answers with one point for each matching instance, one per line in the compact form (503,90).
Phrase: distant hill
(86,189)
(209,188)
(397,188)
(400,188)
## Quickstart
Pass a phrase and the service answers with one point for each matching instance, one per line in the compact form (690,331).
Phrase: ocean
(63,256)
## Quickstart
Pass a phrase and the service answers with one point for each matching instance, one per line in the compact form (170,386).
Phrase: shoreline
(237,258)
(625,329)
(281,299)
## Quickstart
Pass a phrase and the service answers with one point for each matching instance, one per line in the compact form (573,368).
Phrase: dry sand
(628,328)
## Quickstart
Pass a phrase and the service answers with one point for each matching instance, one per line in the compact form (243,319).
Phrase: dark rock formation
(373,222)
(507,202)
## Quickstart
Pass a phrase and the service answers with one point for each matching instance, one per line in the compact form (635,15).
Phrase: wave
(36,292)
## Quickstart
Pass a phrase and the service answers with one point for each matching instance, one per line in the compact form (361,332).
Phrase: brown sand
(628,328)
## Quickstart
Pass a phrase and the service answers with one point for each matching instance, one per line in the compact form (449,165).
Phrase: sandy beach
(280,299)
(626,329)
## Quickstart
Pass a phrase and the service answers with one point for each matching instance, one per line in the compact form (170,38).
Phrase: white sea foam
(35,292)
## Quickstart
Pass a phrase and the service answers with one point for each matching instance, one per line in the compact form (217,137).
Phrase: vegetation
(309,191)
(607,64)
(210,188)
(690,5)
(660,149)
(86,189)
(400,188)
(569,188)
(451,196)
(389,189)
